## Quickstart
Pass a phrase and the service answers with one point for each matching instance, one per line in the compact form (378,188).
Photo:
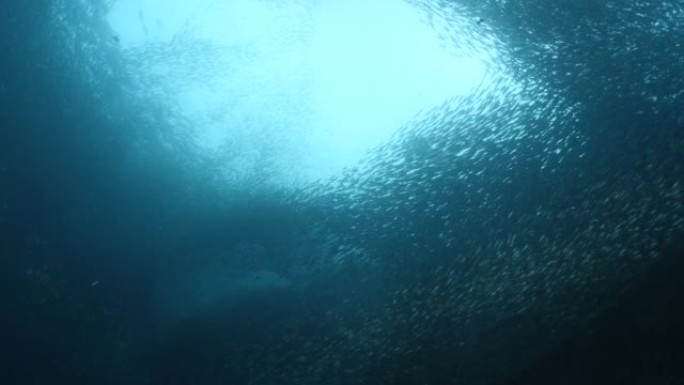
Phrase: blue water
(523,232)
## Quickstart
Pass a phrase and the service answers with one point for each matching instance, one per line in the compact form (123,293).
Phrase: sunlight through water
(314,84)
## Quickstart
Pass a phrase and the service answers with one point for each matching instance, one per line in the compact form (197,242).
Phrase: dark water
(543,246)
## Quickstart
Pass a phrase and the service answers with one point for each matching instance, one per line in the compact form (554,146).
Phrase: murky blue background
(312,193)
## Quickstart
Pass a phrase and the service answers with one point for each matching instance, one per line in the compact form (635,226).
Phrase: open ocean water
(419,192)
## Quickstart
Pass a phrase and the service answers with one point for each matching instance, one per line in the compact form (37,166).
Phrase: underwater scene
(305,192)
